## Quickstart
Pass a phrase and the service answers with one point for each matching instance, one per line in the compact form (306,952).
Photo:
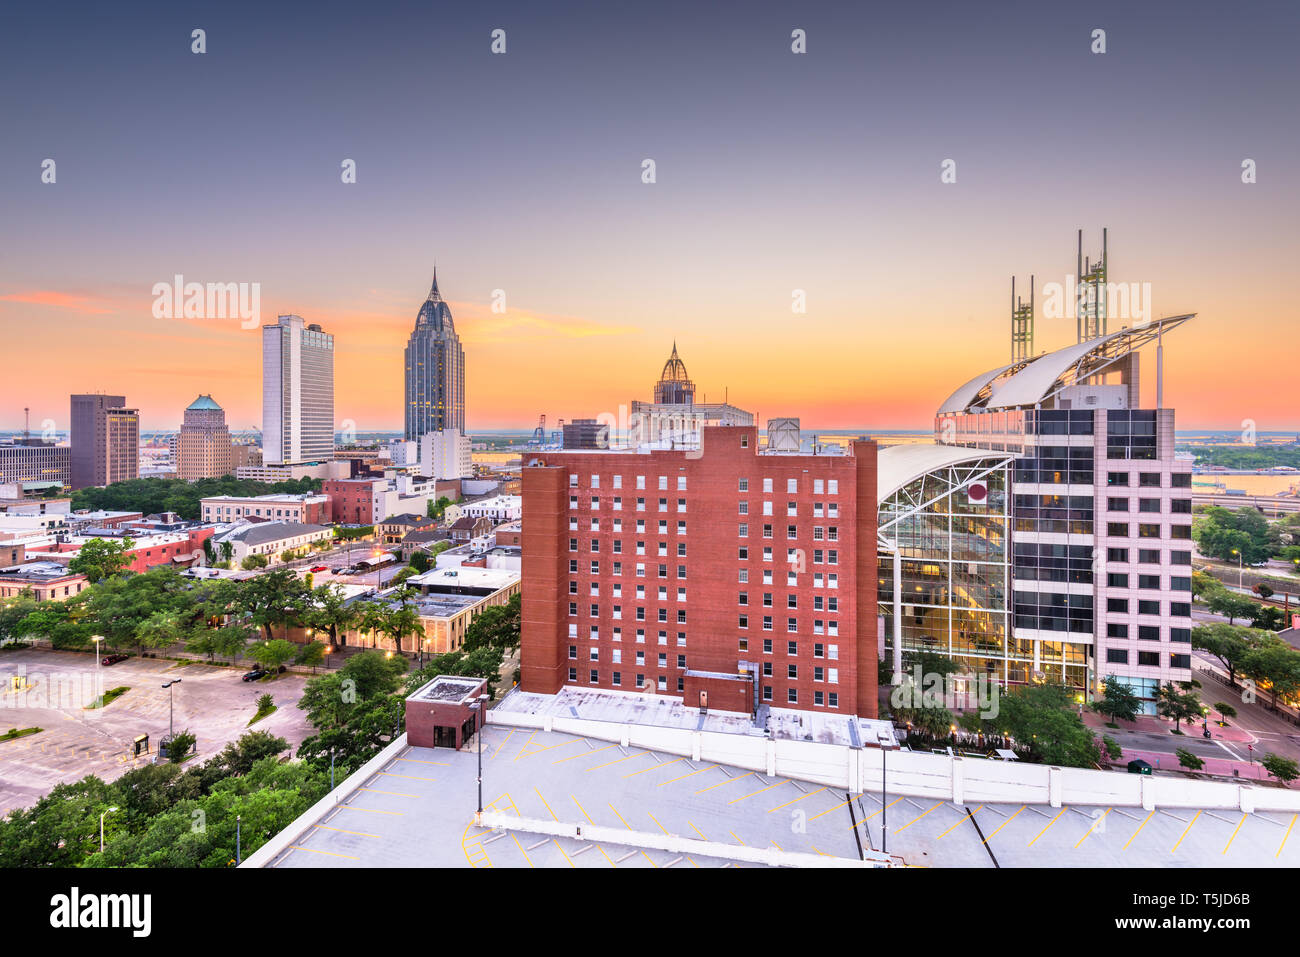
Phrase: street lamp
(480,713)
(171,712)
(329,650)
(101,827)
(98,661)
(1239,569)
(885,743)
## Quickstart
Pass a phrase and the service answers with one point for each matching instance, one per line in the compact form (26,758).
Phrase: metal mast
(1022,323)
(1090,292)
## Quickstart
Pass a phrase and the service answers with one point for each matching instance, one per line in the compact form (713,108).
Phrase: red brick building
(717,576)
(356,501)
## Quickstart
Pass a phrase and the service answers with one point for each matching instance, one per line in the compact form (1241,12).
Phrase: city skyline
(776,173)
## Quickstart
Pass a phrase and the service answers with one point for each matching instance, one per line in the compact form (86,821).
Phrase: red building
(725,576)
(357,501)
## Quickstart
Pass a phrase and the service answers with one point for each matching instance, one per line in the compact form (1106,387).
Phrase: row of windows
(820,487)
(1151,659)
(1177,506)
(1147,606)
(1149,633)
(1149,479)
(820,627)
(1148,556)
(1148,530)
(791,601)
(820,698)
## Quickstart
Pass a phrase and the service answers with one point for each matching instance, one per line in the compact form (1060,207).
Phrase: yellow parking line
(620,817)
(727,781)
(996,829)
(1091,829)
(342,830)
(617,761)
(393,793)
(1286,835)
(561,850)
(370,810)
(697,830)
(760,791)
(918,817)
(963,821)
(834,807)
(409,777)
(584,753)
(652,863)
(662,764)
(607,857)
(1138,831)
(795,801)
(738,840)
(298,847)
(525,744)
(441,764)
(583,810)
(684,776)
(1185,831)
(522,851)
(868,817)
(503,742)
(657,824)
(551,747)
(548,806)
(777,846)
(1234,833)
(1049,824)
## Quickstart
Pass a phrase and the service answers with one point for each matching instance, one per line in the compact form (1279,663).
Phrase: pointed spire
(434,295)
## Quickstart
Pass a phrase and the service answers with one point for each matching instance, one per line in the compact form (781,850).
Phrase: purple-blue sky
(522,172)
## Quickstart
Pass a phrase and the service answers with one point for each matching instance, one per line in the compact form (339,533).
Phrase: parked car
(254,674)
(320,568)
(113,659)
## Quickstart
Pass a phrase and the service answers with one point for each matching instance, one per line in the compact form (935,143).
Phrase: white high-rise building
(297,393)
(445,455)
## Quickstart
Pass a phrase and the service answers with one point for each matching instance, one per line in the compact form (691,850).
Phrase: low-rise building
(270,539)
(309,509)
(44,580)
(499,508)
(394,529)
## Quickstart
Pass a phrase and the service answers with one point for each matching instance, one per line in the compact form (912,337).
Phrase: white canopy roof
(897,465)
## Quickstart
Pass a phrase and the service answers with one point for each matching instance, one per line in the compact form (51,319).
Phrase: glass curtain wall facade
(955,561)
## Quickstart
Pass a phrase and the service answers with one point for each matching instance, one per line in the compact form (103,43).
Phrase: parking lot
(418,810)
(211,702)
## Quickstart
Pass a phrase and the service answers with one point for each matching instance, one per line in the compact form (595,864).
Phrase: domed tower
(435,370)
(674,386)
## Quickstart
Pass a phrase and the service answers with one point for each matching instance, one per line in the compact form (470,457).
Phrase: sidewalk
(1223,768)
(1156,725)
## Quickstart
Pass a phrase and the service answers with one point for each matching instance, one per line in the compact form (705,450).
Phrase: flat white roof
(493,578)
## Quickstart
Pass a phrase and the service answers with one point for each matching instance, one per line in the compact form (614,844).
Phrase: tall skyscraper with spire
(435,370)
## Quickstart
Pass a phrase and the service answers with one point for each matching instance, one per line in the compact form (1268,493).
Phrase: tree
(62,622)
(420,561)
(312,653)
(497,626)
(1178,706)
(253,562)
(1264,590)
(13,611)
(1188,760)
(438,509)
(1223,533)
(101,558)
(1228,643)
(227,549)
(275,598)
(1119,703)
(1111,747)
(1285,770)
(1044,718)
(1225,710)
(179,745)
(1232,606)
(272,654)
(329,609)
(1273,662)
(230,640)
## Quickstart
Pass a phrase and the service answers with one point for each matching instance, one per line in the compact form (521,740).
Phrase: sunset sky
(522,172)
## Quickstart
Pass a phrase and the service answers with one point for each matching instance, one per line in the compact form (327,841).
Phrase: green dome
(205,403)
